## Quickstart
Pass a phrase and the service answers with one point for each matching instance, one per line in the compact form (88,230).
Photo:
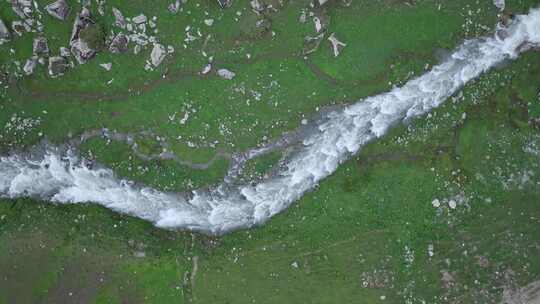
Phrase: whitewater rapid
(59,176)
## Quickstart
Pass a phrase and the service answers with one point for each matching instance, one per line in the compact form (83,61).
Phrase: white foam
(67,180)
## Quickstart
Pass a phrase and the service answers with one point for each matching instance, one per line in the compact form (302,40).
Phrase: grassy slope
(365,218)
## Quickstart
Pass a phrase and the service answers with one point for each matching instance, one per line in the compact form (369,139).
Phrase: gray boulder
(58,9)
(158,54)
(119,44)
(81,51)
(4,32)
(20,27)
(40,46)
(224,3)
(57,66)
(119,21)
(30,66)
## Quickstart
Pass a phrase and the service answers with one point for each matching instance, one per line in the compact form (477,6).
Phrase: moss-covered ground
(368,234)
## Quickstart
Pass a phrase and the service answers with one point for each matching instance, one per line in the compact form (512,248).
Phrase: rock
(452,204)
(158,54)
(20,27)
(318,24)
(58,9)
(206,69)
(500,4)
(226,74)
(30,66)
(22,8)
(174,7)
(257,6)
(119,44)
(209,22)
(40,46)
(107,66)
(336,44)
(224,3)
(436,203)
(321,2)
(64,52)
(139,19)
(57,66)
(81,51)
(4,32)
(311,44)
(119,19)
(139,254)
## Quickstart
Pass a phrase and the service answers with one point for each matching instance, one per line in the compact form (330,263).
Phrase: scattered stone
(336,44)
(107,66)
(119,19)
(119,44)
(158,54)
(57,66)
(436,203)
(30,66)
(226,74)
(40,46)
(4,32)
(58,9)
(224,3)
(139,19)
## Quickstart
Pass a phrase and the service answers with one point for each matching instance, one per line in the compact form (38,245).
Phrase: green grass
(367,220)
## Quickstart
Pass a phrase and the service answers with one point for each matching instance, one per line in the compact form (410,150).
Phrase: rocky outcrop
(58,9)
(57,66)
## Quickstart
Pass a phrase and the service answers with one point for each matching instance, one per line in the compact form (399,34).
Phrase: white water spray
(65,179)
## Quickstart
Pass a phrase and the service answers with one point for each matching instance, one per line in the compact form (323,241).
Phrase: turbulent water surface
(61,177)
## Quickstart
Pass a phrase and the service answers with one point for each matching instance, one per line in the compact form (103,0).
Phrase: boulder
(65,52)
(107,66)
(119,44)
(226,74)
(158,54)
(139,19)
(20,27)
(81,51)
(57,66)
(119,19)
(40,46)
(4,32)
(22,8)
(30,66)
(58,9)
